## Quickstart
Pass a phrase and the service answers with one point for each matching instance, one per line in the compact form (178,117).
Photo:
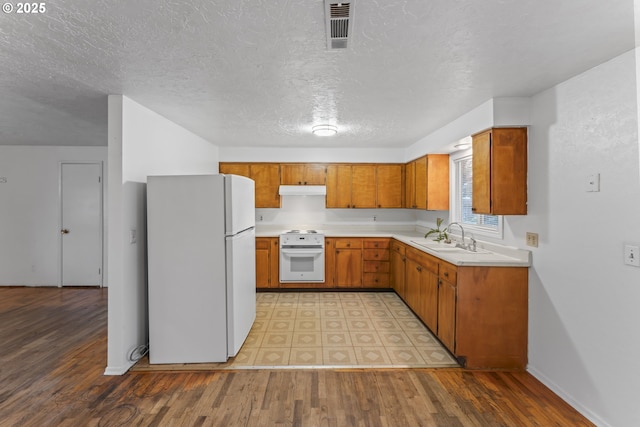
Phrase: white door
(81,225)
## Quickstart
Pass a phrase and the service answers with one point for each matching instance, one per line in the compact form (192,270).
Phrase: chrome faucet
(473,245)
(458,245)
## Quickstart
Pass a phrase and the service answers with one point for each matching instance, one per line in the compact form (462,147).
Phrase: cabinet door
(509,171)
(274,258)
(348,270)
(241,169)
(315,174)
(363,186)
(263,273)
(267,178)
(389,186)
(438,182)
(429,299)
(398,269)
(410,185)
(421,183)
(412,288)
(481,201)
(338,186)
(447,314)
(292,174)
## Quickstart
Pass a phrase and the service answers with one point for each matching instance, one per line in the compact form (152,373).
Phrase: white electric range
(302,256)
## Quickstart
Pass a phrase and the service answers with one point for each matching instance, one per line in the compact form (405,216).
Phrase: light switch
(632,255)
(593,183)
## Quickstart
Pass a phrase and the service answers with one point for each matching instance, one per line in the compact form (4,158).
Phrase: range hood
(303,190)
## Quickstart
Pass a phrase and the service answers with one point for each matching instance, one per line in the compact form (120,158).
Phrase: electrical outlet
(632,255)
(133,237)
(532,239)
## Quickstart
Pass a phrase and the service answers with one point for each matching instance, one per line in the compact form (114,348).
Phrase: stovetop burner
(301,232)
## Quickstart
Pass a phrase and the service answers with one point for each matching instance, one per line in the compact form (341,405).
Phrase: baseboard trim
(586,412)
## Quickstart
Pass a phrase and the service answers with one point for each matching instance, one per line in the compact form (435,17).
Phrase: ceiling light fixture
(463,144)
(324,130)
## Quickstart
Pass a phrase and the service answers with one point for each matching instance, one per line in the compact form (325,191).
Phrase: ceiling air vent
(339,23)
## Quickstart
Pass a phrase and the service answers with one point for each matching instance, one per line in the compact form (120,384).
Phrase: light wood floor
(53,354)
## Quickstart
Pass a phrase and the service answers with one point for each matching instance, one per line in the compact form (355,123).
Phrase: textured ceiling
(257,72)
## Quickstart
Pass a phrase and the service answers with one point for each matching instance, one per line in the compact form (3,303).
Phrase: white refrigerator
(201,266)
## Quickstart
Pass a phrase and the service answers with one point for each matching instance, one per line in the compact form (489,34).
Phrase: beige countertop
(488,254)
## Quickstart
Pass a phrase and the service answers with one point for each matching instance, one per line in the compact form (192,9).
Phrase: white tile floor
(307,330)
(338,329)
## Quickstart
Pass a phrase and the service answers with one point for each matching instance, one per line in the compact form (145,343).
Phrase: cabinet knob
(348,245)
(473,209)
(419,268)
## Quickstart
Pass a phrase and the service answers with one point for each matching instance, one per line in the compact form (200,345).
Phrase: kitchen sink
(447,247)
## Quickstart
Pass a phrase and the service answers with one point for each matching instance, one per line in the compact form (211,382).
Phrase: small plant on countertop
(440,234)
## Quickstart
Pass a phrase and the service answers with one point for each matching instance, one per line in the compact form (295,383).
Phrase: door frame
(102,217)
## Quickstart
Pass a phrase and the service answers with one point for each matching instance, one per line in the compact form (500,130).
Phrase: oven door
(302,265)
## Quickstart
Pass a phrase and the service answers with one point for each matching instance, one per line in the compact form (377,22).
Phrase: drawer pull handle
(446,274)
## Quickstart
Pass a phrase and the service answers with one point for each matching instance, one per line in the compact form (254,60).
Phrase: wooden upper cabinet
(363,186)
(338,186)
(410,185)
(427,183)
(500,172)
(389,186)
(267,178)
(242,169)
(421,183)
(303,174)
(438,182)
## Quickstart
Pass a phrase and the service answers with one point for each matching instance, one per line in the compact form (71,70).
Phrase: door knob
(64,231)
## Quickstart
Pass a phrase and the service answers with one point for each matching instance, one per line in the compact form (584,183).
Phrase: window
(461,196)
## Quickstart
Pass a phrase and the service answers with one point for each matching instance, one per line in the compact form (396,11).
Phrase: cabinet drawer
(448,272)
(376,267)
(398,247)
(262,243)
(375,280)
(348,243)
(375,254)
(376,244)
(425,260)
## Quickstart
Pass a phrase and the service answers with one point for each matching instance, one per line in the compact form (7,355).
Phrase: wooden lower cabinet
(347,263)
(375,256)
(422,285)
(446,308)
(356,262)
(267,262)
(479,313)
(397,266)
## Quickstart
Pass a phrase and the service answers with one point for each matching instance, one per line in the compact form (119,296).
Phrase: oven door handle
(301,251)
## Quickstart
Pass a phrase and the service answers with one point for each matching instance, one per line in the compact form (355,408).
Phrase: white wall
(300,212)
(30,211)
(141,143)
(584,318)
